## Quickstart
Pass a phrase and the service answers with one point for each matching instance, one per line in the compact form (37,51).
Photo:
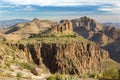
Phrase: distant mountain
(9,23)
(112,24)
(26,29)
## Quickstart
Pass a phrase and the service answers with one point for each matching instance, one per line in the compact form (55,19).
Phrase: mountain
(9,23)
(44,46)
(25,30)
(84,26)
(61,50)
(105,36)
(91,30)
(112,24)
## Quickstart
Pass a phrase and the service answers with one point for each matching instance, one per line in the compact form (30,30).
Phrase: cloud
(35,8)
(112,9)
(22,8)
(4,6)
(114,5)
(60,2)
(29,8)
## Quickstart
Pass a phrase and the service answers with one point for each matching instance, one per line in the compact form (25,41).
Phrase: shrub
(19,74)
(111,74)
(91,74)
(119,74)
(27,65)
(62,77)
(55,77)
(51,78)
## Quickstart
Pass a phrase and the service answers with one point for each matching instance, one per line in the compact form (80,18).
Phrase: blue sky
(101,10)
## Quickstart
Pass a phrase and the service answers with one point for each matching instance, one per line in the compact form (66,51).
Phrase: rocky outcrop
(87,27)
(72,58)
(36,71)
(88,23)
(63,27)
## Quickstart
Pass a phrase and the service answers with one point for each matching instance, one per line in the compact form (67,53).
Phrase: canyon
(72,47)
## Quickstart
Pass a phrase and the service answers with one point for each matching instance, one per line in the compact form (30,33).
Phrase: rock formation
(63,27)
(58,52)
(94,31)
(72,58)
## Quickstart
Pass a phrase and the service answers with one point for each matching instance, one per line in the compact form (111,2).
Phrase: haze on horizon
(103,11)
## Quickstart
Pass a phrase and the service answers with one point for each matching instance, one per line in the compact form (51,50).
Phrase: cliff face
(72,58)
(63,27)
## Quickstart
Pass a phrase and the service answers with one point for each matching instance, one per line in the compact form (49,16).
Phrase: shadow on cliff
(14,29)
(114,50)
(48,55)
(44,54)
(35,56)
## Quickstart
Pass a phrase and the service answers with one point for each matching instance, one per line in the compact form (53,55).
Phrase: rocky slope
(14,64)
(59,49)
(25,30)
(69,58)
(103,35)
(89,29)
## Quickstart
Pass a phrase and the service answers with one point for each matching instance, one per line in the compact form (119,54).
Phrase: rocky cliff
(63,27)
(68,58)
(105,36)
(86,26)
(91,30)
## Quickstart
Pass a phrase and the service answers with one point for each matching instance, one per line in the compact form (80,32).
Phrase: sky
(101,10)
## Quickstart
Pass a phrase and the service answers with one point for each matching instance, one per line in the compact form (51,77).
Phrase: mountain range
(105,36)
(111,24)
(74,47)
(9,23)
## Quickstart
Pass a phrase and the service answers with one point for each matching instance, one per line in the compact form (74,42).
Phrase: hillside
(103,35)
(25,30)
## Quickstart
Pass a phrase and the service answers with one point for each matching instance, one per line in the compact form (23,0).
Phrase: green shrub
(91,74)
(19,74)
(27,65)
(111,74)
(51,77)
(119,74)
(62,77)
(70,77)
